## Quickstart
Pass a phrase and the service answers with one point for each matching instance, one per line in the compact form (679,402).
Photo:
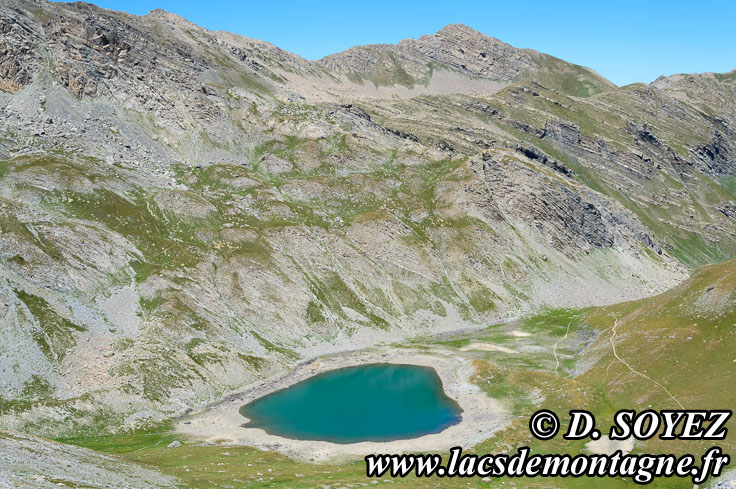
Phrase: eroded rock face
(565,133)
(718,157)
(569,220)
(19,57)
(535,154)
(729,210)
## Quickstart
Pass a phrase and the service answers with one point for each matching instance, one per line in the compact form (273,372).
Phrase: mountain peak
(456,47)
(169,17)
(449,28)
(462,47)
(460,29)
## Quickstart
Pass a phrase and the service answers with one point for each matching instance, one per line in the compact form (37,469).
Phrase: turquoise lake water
(379,402)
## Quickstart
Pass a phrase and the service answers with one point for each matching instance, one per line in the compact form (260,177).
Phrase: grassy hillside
(675,349)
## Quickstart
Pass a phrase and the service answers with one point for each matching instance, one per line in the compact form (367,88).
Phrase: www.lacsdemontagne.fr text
(641,468)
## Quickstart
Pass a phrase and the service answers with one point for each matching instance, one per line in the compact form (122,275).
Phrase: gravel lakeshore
(481,417)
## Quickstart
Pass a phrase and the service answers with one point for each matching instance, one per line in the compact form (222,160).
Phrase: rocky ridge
(454,46)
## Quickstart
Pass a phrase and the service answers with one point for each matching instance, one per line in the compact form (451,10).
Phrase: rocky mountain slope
(462,50)
(30,462)
(184,212)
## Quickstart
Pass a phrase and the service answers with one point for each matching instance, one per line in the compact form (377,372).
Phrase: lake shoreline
(222,423)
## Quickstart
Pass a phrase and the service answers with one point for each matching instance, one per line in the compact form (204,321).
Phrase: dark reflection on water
(379,402)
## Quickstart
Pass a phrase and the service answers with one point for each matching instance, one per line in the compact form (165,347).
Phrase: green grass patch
(55,334)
